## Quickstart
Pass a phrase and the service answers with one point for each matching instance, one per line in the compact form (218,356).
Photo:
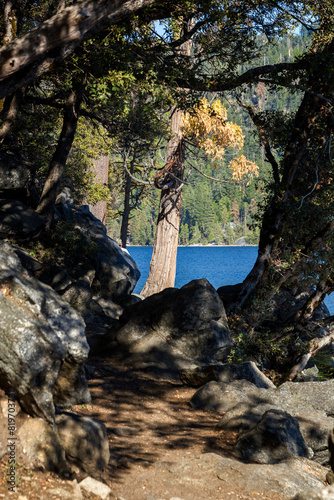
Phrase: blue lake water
(219,265)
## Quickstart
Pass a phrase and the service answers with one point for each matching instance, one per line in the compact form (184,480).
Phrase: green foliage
(69,243)
(270,353)
(324,362)
(91,142)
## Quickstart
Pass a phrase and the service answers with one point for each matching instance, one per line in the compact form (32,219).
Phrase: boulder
(307,396)
(324,493)
(78,294)
(197,376)
(173,325)
(85,441)
(19,220)
(115,270)
(16,174)
(286,304)
(211,472)
(275,438)
(315,427)
(95,487)
(244,371)
(244,416)
(43,342)
(221,397)
(39,446)
(106,307)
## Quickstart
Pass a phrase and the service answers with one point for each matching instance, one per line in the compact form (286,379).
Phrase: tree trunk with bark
(26,58)
(126,210)
(310,110)
(58,162)
(101,170)
(163,262)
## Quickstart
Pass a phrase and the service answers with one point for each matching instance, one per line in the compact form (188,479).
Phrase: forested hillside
(212,211)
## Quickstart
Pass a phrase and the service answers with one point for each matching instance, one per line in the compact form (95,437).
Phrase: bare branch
(316,345)
(140,181)
(208,176)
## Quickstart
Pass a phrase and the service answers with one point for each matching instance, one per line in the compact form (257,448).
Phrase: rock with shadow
(85,442)
(43,342)
(324,493)
(172,329)
(115,271)
(274,438)
(196,376)
(19,220)
(244,405)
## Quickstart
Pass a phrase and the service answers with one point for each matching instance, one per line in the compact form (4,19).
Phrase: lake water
(219,265)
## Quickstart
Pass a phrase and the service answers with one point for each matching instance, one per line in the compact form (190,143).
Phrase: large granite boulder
(243,371)
(18,220)
(174,325)
(196,376)
(43,342)
(223,397)
(211,473)
(275,438)
(243,405)
(308,396)
(16,174)
(85,442)
(284,304)
(324,493)
(115,271)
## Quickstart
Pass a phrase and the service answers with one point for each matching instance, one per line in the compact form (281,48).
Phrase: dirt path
(152,426)
(152,429)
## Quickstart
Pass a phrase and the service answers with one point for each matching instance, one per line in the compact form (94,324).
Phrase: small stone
(124,431)
(61,493)
(96,487)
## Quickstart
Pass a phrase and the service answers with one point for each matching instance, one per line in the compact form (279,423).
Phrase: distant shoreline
(197,246)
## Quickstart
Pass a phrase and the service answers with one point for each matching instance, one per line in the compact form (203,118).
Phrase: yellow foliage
(207,127)
(241,167)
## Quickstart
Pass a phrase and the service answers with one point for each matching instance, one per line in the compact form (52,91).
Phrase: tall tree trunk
(58,162)
(126,211)
(163,262)
(10,105)
(309,111)
(101,171)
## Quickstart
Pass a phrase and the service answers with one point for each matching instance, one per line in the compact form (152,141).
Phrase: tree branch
(62,33)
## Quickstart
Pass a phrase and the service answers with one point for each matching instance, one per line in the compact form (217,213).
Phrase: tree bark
(163,262)
(309,111)
(30,55)
(11,106)
(58,162)
(101,171)
(127,208)
(316,345)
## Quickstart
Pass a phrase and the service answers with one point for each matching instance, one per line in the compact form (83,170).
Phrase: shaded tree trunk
(101,170)
(163,262)
(309,111)
(126,210)
(58,162)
